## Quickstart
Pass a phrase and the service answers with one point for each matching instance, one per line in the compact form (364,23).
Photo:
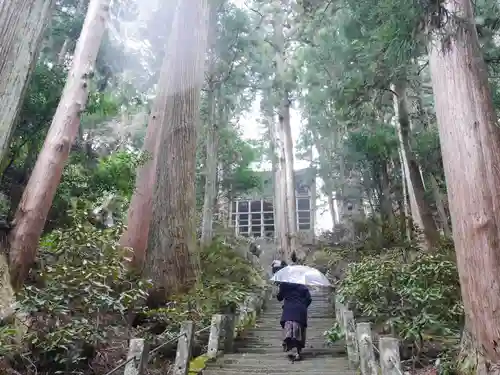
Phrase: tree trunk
(140,209)
(470,145)
(385,199)
(212,143)
(224,198)
(333,211)
(284,120)
(339,194)
(171,261)
(404,209)
(440,204)
(421,211)
(42,185)
(279,181)
(328,184)
(61,56)
(22,27)
(283,135)
(212,146)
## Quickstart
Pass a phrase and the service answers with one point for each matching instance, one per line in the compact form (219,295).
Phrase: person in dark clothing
(296,299)
(277,265)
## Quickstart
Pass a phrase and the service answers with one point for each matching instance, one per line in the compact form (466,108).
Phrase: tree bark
(224,198)
(420,209)
(172,261)
(328,184)
(441,207)
(279,181)
(42,185)
(470,146)
(331,207)
(284,120)
(283,136)
(340,193)
(140,209)
(404,211)
(385,199)
(61,56)
(212,146)
(212,143)
(22,27)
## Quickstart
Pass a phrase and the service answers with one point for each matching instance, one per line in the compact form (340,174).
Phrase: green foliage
(112,174)
(237,156)
(428,151)
(80,297)
(77,289)
(117,172)
(334,334)
(226,280)
(373,144)
(38,108)
(8,340)
(101,105)
(416,298)
(4,206)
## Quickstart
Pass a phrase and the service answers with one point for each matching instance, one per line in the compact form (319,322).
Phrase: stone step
(314,342)
(277,371)
(259,351)
(250,360)
(278,349)
(274,371)
(277,333)
(311,322)
(275,326)
(295,369)
(284,364)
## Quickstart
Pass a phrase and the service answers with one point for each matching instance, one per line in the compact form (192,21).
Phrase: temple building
(252,214)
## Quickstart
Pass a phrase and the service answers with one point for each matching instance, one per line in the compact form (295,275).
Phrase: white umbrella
(303,275)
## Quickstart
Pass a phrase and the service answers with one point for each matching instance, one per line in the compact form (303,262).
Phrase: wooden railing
(223,330)
(361,351)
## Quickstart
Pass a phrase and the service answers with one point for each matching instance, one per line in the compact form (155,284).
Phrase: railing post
(262,300)
(366,352)
(229,326)
(339,312)
(139,350)
(184,345)
(390,361)
(350,338)
(214,339)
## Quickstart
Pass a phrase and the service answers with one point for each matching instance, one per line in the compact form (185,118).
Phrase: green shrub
(334,334)
(81,300)
(418,298)
(226,280)
(78,291)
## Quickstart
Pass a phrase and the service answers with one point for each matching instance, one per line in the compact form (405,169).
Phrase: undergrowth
(405,292)
(81,305)
(415,298)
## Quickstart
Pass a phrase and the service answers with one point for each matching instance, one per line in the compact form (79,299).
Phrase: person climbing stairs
(260,350)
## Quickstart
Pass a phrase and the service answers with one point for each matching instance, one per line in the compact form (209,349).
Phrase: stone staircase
(260,352)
